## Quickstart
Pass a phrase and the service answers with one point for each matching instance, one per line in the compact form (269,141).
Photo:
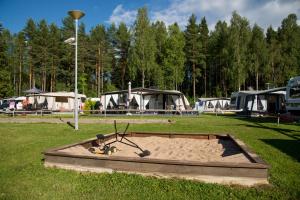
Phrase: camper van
(293,96)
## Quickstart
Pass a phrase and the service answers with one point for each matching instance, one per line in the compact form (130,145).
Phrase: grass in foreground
(22,175)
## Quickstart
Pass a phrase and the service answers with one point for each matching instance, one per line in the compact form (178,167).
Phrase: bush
(88,105)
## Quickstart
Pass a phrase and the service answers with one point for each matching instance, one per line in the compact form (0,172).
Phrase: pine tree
(30,33)
(123,42)
(5,83)
(42,53)
(66,71)
(114,55)
(54,53)
(192,49)
(19,59)
(203,29)
(99,46)
(83,58)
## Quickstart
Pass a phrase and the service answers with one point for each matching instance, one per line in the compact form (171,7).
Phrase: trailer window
(232,100)
(62,99)
(295,92)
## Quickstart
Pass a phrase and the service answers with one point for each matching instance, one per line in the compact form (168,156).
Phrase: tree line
(196,61)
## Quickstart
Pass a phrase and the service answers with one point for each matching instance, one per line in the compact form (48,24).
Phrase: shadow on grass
(283,131)
(68,122)
(257,123)
(289,147)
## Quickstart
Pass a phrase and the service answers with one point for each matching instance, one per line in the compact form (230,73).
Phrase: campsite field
(23,176)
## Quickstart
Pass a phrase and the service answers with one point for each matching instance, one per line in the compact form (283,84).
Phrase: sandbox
(210,158)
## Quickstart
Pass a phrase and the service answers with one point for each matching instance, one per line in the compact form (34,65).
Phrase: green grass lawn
(23,176)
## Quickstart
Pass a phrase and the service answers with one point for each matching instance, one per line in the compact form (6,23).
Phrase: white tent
(147,99)
(56,101)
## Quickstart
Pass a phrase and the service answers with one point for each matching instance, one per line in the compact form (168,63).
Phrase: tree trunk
(96,79)
(45,79)
(143,78)
(54,79)
(20,77)
(99,72)
(123,74)
(175,78)
(205,81)
(273,69)
(194,82)
(51,76)
(102,75)
(15,81)
(33,79)
(257,81)
(30,74)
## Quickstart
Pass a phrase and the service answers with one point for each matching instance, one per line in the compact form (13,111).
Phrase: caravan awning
(145,91)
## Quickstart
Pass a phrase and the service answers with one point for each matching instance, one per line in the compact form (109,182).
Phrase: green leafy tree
(239,36)
(220,75)
(174,58)
(257,53)
(273,71)
(160,34)
(289,37)
(143,51)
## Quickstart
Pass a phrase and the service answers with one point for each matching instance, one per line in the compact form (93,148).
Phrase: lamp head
(76,14)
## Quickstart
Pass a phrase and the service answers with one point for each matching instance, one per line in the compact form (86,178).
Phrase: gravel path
(82,121)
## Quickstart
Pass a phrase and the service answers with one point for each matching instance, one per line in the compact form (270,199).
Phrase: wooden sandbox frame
(248,174)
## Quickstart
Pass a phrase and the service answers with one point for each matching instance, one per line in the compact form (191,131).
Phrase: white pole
(76,100)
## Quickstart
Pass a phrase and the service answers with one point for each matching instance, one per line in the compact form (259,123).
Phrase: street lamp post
(76,15)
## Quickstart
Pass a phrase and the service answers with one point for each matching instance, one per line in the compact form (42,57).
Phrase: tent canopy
(33,90)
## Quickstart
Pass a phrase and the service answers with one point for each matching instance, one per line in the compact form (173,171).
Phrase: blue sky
(15,13)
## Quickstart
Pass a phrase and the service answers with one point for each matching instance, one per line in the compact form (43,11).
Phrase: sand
(202,150)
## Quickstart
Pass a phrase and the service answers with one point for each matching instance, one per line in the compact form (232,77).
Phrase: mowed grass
(23,176)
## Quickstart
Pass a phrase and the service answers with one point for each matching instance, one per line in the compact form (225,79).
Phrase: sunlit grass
(23,176)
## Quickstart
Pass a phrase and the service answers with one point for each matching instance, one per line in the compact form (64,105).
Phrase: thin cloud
(264,13)
(119,15)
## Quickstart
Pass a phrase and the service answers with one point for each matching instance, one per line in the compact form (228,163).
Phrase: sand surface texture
(203,150)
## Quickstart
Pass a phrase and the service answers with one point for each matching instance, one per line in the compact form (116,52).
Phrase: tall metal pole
(76,91)
(76,15)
